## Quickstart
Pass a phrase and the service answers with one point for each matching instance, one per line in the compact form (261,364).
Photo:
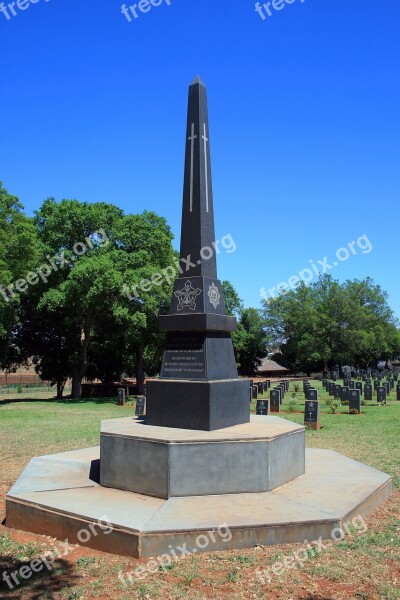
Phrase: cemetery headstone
(262,407)
(381,393)
(368,392)
(275,401)
(255,392)
(311,414)
(312,394)
(398,391)
(351,384)
(344,394)
(140,406)
(355,402)
(121,396)
(359,386)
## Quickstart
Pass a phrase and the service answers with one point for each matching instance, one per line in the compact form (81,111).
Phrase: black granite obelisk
(199,386)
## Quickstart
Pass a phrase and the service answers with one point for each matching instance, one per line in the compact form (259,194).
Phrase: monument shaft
(199,386)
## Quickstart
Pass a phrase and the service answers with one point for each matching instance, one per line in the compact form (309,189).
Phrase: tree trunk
(60,388)
(79,371)
(77,376)
(139,371)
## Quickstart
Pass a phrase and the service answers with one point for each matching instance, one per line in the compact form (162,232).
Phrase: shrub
(334,407)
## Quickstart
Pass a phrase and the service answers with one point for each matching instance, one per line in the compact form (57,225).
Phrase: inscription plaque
(184,356)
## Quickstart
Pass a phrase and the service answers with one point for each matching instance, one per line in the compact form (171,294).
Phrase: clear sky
(304,123)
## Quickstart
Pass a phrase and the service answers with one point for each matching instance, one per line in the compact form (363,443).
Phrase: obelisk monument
(199,386)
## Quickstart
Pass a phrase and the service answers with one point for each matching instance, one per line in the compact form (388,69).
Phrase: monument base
(201,405)
(253,457)
(57,496)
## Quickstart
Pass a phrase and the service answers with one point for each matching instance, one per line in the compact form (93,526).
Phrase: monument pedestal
(203,405)
(258,456)
(60,495)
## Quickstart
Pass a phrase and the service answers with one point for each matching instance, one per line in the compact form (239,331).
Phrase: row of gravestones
(276,396)
(363,374)
(258,389)
(381,388)
(140,409)
(311,406)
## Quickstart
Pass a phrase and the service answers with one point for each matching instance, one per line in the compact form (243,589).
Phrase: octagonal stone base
(158,461)
(58,496)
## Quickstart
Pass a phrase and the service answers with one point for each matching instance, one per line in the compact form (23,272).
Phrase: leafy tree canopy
(328,323)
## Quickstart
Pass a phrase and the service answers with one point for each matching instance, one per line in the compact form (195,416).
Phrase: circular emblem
(214,295)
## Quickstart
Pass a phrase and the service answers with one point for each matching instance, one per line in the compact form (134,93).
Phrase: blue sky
(304,123)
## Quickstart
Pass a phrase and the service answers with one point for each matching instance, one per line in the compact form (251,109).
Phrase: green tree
(233,304)
(249,340)
(328,323)
(97,298)
(19,253)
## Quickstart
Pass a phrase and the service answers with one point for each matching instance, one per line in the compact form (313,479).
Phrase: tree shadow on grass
(68,401)
(47,583)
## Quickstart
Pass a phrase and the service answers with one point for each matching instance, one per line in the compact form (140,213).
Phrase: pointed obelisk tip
(196,80)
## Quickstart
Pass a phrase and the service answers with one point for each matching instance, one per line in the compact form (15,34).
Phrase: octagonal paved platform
(59,495)
(258,456)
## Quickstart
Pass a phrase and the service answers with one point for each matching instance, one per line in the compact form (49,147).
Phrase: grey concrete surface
(252,457)
(333,490)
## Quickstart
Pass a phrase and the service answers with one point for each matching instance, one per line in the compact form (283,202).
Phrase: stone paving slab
(333,488)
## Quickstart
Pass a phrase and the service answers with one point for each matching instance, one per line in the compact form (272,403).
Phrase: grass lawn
(361,566)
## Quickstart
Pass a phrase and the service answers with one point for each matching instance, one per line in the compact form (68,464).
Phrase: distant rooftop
(269,365)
